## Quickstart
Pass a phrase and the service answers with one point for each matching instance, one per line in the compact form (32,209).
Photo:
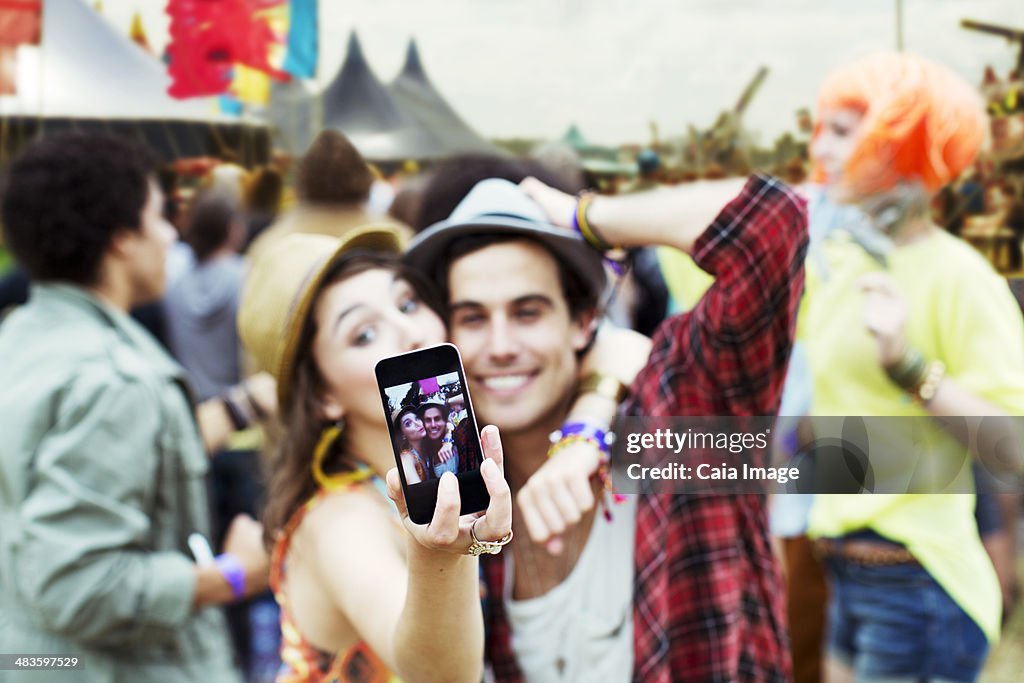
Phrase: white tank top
(582,629)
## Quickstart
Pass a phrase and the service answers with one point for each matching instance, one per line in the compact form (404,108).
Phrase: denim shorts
(896,622)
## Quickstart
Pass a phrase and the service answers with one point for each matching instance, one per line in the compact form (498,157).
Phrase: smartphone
(427,406)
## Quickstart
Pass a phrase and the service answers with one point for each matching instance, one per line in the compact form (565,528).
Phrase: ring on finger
(478,547)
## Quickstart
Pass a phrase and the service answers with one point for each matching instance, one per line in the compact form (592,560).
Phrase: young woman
(362,590)
(411,435)
(906,320)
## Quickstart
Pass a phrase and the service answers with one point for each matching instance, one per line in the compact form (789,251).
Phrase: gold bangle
(590,235)
(932,379)
(603,385)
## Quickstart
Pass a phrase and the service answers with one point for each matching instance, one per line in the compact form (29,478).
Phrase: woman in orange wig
(906,320)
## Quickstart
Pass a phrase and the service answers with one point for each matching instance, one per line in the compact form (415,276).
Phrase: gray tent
(360,107)
(415,93)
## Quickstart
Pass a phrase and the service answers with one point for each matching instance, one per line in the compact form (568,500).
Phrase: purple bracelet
(587,431)
(233,572)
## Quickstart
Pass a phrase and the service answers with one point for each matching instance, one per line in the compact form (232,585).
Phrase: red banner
(19,22)
(209,36)
(19,25)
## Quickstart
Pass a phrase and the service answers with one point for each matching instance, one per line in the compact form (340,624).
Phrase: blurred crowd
(853,283)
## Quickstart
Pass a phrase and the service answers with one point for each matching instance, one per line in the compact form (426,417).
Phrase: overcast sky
(528,68)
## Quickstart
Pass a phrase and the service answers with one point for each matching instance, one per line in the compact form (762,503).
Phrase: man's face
(511,322)
(147,249)
(434,422)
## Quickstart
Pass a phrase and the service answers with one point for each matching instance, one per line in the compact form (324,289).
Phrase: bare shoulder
(352,513)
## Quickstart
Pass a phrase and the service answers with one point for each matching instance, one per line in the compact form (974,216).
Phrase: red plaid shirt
(708,602)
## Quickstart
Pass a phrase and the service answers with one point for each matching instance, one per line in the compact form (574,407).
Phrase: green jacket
(102,479)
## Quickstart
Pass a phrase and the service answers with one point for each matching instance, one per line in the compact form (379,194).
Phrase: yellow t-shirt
(685,280)
(960,312)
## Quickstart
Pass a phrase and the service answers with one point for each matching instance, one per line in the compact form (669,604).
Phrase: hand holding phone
(422,391)
(448,530)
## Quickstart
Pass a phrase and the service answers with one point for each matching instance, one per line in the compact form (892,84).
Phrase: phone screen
(433,429)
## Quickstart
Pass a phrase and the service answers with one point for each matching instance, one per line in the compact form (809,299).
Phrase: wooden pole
(899,25)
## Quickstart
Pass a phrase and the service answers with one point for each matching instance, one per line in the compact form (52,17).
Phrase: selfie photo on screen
(429,428)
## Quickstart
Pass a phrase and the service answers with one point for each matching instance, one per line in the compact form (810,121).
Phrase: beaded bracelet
(929,386)
(580,432)
(567,441)
(909,371)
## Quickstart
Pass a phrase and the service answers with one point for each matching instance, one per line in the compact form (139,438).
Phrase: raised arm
(752,236)
(561,491)
(673,217)
(420,614)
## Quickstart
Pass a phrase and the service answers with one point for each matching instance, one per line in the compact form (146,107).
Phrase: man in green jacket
(101,463)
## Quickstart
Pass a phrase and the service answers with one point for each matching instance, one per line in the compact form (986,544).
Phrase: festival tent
(596,159)
(415,93)
(85,75)
(358,105)
(574,138)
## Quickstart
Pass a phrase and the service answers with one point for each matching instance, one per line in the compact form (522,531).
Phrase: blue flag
(303,39)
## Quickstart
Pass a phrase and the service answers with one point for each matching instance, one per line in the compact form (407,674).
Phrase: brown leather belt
(871,553)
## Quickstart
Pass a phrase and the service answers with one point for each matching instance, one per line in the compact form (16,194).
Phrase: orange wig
(922,122)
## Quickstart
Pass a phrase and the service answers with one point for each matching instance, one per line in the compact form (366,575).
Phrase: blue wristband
(233,572)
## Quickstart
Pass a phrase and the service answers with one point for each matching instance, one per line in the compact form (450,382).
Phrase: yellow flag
(251,86)
(138,33)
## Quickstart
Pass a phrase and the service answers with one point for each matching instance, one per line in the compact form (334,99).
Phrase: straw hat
(436,400)
(280,287)
(399,412)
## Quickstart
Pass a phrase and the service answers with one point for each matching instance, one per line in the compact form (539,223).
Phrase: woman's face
(412,428)
(831,148)
(360,320)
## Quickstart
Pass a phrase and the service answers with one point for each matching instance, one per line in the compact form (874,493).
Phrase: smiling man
(523,300)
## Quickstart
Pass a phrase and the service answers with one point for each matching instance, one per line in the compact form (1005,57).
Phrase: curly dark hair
(333,172)
(67,196)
